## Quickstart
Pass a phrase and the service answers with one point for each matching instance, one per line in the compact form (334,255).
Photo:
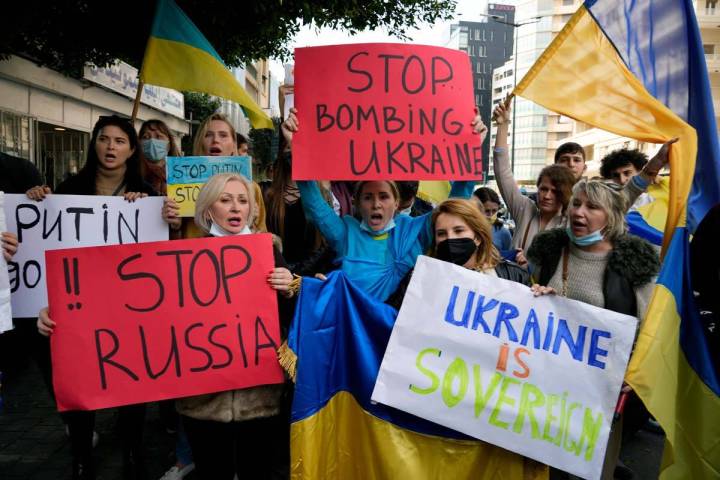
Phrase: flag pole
(136,104)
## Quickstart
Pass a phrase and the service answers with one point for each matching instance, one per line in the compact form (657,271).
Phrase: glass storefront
(16,135)
(62,152)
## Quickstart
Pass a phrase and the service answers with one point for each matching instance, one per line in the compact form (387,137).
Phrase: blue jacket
(376,264)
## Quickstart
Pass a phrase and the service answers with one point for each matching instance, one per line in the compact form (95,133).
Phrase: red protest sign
(384,111)
(151,321)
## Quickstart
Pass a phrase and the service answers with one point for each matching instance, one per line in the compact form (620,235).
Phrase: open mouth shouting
(376,221)
(215,151)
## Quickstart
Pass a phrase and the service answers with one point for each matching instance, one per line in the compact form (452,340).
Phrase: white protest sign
(537,376)
(68,221)
(5,307)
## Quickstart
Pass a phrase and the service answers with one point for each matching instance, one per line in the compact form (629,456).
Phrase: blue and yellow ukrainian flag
(637,69)
(179,56)
(339,335)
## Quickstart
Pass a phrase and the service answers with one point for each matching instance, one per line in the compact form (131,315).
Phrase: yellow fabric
(655,213)
(183,67)
(364,447)
(580,75)
(670,389)
(434,191)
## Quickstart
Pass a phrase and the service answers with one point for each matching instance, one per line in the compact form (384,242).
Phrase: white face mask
(217,231)
(406,211)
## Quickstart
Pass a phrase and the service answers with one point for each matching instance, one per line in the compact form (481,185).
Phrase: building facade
(258,82)
(536,132)
(47,117)
(488,43)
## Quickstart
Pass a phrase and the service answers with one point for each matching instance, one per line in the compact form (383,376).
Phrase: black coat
(505,270)
(632,263)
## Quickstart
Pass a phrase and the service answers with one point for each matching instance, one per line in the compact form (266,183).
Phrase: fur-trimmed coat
(632,267)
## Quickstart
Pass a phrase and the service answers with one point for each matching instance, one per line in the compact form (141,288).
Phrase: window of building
(477,99)
(568,3)
(482,83)
(482,52)
(477,34)
(478,67)
(492,35)
(709,48)
(565,18)
(15,133)
(463,38)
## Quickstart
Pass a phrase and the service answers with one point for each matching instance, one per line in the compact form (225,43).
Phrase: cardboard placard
(140,323)
(539,376)
(5,304)
(384,111)
(69,221)
(186,175)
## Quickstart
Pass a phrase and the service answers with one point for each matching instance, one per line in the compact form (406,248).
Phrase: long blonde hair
(198,147)
(469,213)
(212,190)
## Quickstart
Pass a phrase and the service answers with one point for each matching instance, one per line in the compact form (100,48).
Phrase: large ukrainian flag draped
(618,65)
(179,56)
(339,335)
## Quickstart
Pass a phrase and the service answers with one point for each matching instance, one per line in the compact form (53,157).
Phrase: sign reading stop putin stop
(384,111)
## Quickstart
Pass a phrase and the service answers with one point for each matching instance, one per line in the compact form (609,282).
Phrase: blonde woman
(240,432)
(595,261)
(217,137)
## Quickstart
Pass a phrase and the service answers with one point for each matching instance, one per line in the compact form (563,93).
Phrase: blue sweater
(376,264)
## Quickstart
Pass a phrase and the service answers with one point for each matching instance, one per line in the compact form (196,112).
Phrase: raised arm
(323,216)
(314,205)
(640,182)
(464,189)
(514,199)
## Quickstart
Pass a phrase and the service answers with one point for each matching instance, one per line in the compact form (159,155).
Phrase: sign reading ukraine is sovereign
(379,111)
(539,376)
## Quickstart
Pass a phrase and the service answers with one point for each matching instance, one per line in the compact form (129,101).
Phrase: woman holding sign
(595,261)
(240,432)
(112,168)
(216,137)
(377,251)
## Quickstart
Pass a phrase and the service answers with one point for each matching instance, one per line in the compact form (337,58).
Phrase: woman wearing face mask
(377,251)
(112,168)
(554,186)
(462,235)
(156,143)
(595,261)
(240,432)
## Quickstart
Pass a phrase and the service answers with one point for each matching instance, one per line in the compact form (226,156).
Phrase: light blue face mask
(587,240)
(155,149)
(375,233)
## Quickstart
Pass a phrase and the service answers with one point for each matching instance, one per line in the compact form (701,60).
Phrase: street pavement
(33,445)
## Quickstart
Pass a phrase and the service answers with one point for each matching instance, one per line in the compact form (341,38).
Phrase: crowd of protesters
(570,240)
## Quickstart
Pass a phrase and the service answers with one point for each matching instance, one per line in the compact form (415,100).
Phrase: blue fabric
(502,239)
(171,23)
(639,227)
(376,266)
(659,41)
(339,334)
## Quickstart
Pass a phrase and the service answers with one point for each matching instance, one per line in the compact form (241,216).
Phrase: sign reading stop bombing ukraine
(186,175)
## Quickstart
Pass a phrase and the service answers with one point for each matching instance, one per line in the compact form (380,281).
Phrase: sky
(429,34)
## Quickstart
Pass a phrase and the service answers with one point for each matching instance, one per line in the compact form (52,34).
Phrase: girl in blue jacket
(376,251)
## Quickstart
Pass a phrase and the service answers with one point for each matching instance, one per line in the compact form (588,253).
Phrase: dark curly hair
(622,158)
(562,179)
